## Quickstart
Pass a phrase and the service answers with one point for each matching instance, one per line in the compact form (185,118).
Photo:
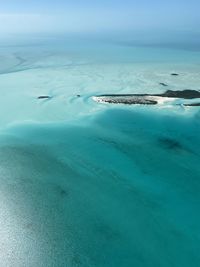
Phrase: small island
(149,99)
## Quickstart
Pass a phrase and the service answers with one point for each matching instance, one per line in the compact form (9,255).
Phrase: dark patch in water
(174,74)
(170,143)
(163,84)
(44,97)
(61,191)
(106,231)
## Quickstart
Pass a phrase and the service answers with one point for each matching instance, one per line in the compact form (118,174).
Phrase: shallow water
(88,184)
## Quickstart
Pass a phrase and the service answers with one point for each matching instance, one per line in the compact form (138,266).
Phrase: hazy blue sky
(98,15)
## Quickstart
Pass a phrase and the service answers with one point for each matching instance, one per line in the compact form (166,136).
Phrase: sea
(87,184)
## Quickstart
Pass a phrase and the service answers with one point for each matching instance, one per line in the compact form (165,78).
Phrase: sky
(22,16)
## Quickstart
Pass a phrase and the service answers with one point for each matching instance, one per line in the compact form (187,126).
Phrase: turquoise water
(88,184)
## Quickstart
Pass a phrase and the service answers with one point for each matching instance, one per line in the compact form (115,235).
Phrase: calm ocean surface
(95,185)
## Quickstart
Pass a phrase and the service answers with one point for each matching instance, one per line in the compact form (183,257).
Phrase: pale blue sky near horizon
(22,16)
